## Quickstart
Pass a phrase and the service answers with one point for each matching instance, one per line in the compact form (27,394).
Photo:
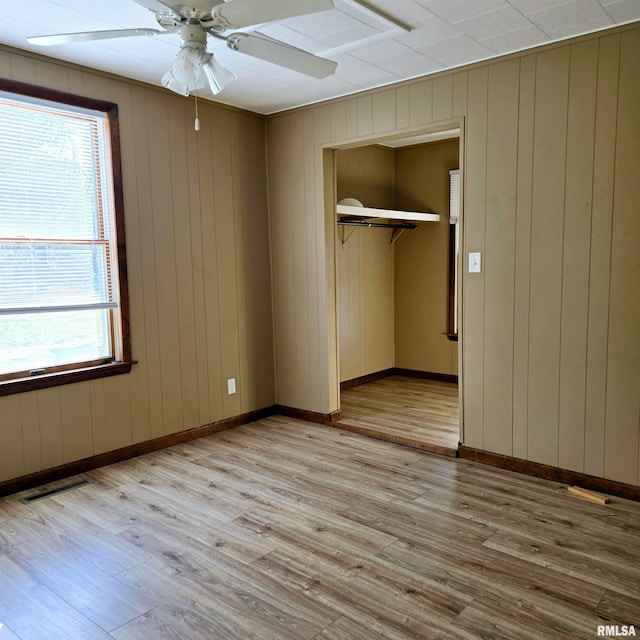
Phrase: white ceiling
(369,53)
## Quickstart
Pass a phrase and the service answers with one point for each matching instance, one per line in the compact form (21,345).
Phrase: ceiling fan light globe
(185,75)
(173,84)
(217,76)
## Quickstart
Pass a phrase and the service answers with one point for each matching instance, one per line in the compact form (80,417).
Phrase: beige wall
(551,355)
(199,281)
(365,265)
(421,264)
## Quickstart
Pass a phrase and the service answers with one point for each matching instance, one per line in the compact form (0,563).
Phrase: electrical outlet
(231,386)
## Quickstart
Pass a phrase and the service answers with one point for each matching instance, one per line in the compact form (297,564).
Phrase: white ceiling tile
(414,67)
(349,36)
(290,36)
(515,40)
(530,6)
(457,50)
(362,74)
(584,27)
(148,48)
(386,53)
(322,24)
(492,24)
(427,31)
(458,10)
(405,10)
(14,33)
(567,15)
(335,85)
(623,10)
(62,20)
(111,61)
(129,14)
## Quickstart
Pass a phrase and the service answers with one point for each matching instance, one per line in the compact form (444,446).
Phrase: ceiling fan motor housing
(193,34)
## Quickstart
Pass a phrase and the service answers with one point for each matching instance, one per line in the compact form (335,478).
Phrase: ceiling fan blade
(157,5)
(68,38)
(282,54)
(244,13)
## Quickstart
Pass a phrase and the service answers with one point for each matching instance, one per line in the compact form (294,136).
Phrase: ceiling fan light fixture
(193,68)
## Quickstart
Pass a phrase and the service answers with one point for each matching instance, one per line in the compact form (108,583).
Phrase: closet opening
(398,295)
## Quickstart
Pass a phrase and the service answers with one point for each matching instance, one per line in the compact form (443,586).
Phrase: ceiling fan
(193,67)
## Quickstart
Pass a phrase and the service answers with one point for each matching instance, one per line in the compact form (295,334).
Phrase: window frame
(53,376)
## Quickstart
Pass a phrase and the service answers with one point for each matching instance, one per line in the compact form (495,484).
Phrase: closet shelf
(353,213)
(389,214)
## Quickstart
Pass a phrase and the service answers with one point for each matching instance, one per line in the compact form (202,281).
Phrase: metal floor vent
(52,492)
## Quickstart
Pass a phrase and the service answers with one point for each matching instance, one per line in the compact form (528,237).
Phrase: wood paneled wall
(199,279)
(551,345)
(365,265)
(421,261)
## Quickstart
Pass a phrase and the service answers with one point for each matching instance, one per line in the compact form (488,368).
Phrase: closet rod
(383,225)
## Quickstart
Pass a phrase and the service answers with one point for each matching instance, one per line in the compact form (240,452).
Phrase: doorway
(398,360)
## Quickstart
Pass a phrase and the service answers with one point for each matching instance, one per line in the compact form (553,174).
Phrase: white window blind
(454,196)
(56,235)
(59,289)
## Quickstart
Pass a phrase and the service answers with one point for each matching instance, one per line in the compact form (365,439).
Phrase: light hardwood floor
(412,411)
(284,529)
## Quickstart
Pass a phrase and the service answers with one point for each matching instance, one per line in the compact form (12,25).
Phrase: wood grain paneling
(421,259)
(12,434)
(443,97)
(321,288)
(199,279)
(29,415)
(606,119)
(575,256)
(252,233)
(547,224)
(402,107)
(522,256)
(474,240)
(365,263)
(421,102)
(499,267)
(550,327)
(384,111)
(622,419)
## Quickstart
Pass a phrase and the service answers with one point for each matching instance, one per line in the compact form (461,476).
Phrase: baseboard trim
(426,375)
(369,377)
(46,476)
(309,416)
(397,371)
(565,476)
(388,437)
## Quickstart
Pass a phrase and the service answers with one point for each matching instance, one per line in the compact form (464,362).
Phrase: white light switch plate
(474,263)
(231,386)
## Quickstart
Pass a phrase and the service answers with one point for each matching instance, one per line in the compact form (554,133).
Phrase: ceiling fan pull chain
(197,122)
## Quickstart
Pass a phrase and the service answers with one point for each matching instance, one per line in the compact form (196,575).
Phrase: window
(454,249)
(63,295)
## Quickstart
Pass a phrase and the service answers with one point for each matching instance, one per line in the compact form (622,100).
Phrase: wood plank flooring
(283,529)
(413,411)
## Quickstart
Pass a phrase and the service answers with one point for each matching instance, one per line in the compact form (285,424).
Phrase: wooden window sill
(20,385)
